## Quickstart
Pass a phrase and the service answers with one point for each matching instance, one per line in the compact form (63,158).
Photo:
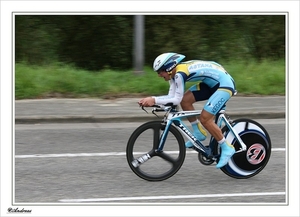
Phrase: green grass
(58,80)
(264,78)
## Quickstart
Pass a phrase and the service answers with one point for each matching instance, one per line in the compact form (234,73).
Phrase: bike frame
(251,161)
(176,118)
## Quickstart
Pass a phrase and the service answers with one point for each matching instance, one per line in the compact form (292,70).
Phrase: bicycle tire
(138,146)
(246,164)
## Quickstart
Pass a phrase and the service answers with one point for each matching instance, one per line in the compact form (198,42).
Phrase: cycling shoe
(227,151)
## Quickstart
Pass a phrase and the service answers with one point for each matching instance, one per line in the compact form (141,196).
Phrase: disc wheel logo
(256,154)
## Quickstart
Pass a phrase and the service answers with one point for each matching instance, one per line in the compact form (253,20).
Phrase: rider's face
(164,75)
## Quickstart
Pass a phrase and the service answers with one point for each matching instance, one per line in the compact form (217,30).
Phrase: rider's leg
(207,117)
(187,105)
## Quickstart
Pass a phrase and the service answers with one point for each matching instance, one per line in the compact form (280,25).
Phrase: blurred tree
(95,42)
(36,39)
(264,35)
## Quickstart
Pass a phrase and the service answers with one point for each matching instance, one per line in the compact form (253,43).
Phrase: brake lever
(153,112)
(142,107)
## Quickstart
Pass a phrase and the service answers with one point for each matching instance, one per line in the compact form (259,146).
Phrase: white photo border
(8,8)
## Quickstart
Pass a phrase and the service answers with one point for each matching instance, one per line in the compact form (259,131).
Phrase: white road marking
(170,197)
(107,154)
(112,199)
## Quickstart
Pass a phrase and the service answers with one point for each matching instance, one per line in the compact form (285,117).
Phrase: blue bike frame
(175,117)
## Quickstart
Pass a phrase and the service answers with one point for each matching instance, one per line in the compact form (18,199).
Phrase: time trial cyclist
(215,85)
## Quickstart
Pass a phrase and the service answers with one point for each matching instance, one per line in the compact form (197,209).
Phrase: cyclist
(215,85)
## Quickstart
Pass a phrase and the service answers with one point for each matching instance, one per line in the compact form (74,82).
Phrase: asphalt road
(86,163)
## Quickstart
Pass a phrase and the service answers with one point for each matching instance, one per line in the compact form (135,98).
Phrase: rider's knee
(188,98)
(186,102)
(183,101)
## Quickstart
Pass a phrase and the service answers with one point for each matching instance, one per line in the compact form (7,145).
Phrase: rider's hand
(147,102)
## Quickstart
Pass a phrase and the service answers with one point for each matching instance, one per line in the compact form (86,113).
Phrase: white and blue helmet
(167,62)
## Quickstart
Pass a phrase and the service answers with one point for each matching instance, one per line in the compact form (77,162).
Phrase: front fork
(142,159)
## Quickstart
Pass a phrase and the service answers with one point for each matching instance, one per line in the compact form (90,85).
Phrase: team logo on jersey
(200,65)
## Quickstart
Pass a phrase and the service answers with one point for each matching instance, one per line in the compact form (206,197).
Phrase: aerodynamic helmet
(167,62)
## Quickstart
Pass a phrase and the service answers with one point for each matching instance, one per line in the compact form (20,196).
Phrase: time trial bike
(156,150)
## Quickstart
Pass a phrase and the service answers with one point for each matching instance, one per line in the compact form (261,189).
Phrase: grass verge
(58,80)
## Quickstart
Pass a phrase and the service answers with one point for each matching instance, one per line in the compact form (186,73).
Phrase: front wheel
(248,163)
(146,161)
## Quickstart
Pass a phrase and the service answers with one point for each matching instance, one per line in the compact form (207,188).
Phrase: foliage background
(96,42)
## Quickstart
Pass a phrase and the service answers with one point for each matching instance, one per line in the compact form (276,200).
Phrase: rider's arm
(176,91)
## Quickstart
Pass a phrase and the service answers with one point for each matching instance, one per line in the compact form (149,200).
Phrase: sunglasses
(160,71)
